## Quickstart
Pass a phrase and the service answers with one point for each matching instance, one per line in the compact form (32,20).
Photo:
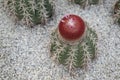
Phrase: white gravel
(24,52)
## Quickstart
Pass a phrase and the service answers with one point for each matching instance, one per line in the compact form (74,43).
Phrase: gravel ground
(24,52)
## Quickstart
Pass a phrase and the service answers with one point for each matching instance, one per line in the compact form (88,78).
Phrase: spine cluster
(30,12)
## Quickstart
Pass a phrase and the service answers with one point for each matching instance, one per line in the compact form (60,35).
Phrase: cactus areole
(71,27)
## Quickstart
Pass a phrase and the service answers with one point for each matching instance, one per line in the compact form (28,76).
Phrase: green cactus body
(117,11)
(31,12)
(93,1)
(85,2)
(81,2)
(74,56)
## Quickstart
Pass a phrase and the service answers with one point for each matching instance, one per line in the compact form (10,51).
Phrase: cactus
(117,11)
(84,3)
(76,55)
(30,12)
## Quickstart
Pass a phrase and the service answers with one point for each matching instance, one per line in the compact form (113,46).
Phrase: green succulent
(117,11)
(31,12)
(74,56)
(85,2)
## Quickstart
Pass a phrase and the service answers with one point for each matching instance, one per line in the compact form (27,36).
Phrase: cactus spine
(74,56)
(30,12)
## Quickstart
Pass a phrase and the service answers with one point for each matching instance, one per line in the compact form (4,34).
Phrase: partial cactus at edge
(74,56)
(117,11)
(85,2)
(30,12)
